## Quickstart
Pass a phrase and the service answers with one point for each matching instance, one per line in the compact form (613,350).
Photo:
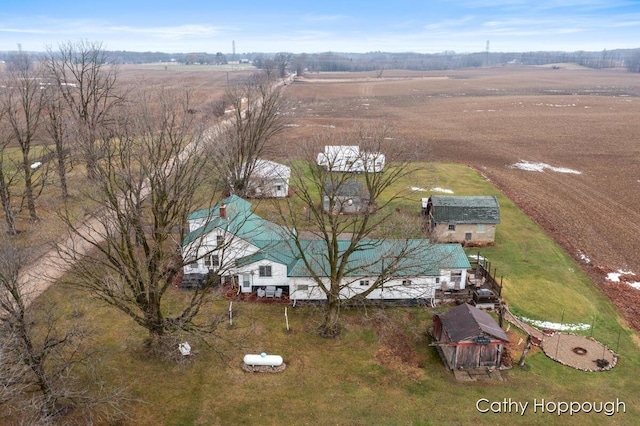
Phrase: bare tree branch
(149,181)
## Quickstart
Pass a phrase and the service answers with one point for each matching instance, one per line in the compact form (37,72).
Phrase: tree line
(372,61)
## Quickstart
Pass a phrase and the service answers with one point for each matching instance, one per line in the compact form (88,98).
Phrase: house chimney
(223,210)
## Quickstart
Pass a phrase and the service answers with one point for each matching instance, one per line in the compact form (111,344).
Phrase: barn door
(488,355)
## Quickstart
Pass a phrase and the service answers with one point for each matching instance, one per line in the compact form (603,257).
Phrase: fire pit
(579,351)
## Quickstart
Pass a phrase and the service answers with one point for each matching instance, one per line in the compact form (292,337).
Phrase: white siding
(419,288)
(232,249)
(278,274)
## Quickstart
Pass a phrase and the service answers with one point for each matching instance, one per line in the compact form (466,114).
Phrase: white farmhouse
(259,256)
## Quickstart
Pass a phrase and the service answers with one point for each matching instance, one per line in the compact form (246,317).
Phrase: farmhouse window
(246,280)
(211,261)
(264,271)
(364,282)
(406,282)
(452,227)
(278,188)
(219,240)
(437,280)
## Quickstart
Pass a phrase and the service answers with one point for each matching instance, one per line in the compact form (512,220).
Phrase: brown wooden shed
(467,337)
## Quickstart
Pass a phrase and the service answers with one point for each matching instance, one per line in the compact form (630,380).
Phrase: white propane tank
(263,359)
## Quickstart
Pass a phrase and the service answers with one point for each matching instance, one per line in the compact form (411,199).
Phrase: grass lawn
(371,377)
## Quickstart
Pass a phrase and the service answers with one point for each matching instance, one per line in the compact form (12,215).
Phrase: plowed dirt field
(563,144)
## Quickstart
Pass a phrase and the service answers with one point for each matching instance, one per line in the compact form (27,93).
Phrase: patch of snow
(541,167)
(584,258)
(477,257)
(615,277)
(556,326)
(36,165)
(443,190)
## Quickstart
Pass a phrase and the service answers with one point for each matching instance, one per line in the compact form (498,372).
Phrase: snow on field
(585,258)
(555,326)
(556,105)
(615,277)
(443,190)
(477,257)
(541,167)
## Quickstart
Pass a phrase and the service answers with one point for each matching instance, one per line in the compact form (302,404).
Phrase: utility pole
(487,54)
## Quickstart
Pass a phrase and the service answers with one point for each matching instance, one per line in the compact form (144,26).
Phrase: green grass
(346,381)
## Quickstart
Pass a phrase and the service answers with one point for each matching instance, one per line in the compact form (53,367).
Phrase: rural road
(52,265)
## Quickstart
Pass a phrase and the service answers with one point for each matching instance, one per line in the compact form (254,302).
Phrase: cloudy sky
(424,26)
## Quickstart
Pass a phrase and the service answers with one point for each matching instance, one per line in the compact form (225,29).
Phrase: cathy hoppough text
(543,406)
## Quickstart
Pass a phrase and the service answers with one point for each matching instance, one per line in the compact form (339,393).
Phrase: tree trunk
(155,325)
(62,170)
(28,190)
(6,205)
(331,325)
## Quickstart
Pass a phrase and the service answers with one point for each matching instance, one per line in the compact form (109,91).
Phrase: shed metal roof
(465,209)
(466,322)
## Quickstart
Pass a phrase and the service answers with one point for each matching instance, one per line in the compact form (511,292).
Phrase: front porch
(277,295)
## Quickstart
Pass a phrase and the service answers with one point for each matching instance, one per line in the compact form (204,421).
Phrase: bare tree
(282,61)
(342,227)
(87,82)
(45,369)
(23,101)
(149,181)
(57,126)
(7,177)
(248,135)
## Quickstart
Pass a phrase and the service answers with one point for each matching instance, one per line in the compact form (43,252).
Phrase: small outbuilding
(467,338)
(346,197)
(269,180)
(469,220)
(349,158)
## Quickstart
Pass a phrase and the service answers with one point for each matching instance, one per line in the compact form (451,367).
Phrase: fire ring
(579,351)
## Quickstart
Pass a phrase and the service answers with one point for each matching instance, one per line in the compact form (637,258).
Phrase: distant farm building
(470,220)
(349,158)
(467,338)
(269,180)
(345,197)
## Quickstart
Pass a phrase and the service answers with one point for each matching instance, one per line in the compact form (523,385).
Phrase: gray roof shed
(464,209)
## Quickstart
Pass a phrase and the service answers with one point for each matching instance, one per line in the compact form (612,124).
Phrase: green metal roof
(239,221)
(417,257)
(233,203)
(465,209)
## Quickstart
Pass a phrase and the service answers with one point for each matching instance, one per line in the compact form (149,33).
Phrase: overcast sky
(308,26)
